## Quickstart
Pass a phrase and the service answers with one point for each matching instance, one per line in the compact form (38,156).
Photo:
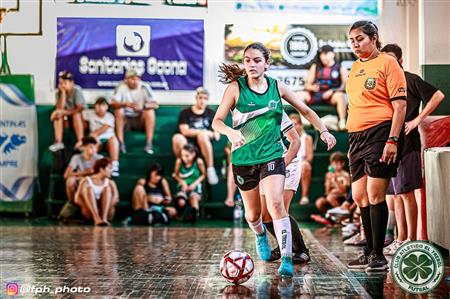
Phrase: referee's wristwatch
(393,138)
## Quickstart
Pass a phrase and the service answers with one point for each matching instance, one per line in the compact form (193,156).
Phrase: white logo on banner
(18,144)
(133,40)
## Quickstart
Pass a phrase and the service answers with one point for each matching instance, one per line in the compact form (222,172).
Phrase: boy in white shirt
(134,108)
(101,127)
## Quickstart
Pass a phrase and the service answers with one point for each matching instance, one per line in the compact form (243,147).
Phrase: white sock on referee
(283,232)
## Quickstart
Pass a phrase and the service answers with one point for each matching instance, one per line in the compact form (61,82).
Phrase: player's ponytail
(230,72)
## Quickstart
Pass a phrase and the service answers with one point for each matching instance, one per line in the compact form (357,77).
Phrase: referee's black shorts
(366,150)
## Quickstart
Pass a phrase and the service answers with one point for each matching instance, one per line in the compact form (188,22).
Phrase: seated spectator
(231,185)
(326,83)
(337,183)
(189,173)
(97,194)
(101,127)
(134,109)
(81,165)
(194,124)
(307,156)
(69,104)
(154,191)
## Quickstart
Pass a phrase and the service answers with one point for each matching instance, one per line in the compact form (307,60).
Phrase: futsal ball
(237,266)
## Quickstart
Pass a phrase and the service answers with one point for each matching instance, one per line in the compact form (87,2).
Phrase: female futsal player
(255,103)
(376,90)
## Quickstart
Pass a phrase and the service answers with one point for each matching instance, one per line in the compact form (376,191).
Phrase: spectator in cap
(194,124)
(326,83)
(134,107)
(101,127)
(69,104)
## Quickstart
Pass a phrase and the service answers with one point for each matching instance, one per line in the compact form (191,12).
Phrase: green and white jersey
(190,174)
(258,117)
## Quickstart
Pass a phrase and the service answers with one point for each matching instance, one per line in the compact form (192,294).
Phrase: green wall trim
(439,76)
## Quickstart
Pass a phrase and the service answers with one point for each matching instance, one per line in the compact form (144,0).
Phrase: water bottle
(223,170)
(238,209)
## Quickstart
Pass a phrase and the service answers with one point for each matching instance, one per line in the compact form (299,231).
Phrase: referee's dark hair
(393,48)
(369,28)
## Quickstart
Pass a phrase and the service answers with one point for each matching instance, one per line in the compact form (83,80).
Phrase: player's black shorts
(366,150)
(247,177)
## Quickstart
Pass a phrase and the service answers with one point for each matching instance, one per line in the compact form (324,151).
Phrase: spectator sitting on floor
(81,165)
(101,127)
(231,185)
(326,83)
(194,124)
(307,156)
(152,195)
(97,194)
(337,182)
(189,173)
(69,104)
(134,109)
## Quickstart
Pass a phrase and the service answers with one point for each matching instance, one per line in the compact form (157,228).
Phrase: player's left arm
(396,91)
(432,104)
(308,113)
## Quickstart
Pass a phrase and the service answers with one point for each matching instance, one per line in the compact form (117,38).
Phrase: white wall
(36,55)
(434,32)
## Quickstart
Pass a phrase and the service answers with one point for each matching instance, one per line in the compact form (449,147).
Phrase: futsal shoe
(301,257)
(262,246)
(286,268)
(360,263)
(388,239)
(377,262)
(275,254)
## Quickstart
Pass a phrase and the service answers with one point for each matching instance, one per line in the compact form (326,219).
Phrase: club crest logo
(417,267)
(370,83)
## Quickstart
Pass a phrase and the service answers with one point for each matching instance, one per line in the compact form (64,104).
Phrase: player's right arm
(229,100)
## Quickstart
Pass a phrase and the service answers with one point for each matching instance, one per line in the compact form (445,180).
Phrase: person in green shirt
(189,173)
(254,100)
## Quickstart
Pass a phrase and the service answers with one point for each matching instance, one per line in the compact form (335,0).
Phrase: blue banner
(166,53)
(18,144)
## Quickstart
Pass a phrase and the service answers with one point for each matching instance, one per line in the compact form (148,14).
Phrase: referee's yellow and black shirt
(371,87)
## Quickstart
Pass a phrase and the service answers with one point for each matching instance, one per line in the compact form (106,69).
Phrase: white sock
(257,226)
(282,229)
(391,220)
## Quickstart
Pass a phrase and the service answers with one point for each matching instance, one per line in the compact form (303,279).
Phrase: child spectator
(189,173)
(69,104)
(101,127)
(134,107)
(337,182)
(194,125)
(97,194)
(325,83)
(152,195)
(81,165)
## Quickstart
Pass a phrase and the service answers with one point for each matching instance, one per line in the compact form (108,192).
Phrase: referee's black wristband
(323,132)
